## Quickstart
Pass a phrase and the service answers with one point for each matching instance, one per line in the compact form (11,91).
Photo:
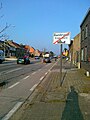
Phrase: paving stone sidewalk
(52,100)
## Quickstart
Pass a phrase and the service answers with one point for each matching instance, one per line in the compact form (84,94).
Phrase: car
(46,60)
(37,57)
(23,60)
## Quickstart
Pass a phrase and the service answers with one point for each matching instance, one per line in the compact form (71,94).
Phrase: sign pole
(62,38)
(60,64)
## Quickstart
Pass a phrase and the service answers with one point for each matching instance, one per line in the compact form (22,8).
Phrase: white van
(2,58)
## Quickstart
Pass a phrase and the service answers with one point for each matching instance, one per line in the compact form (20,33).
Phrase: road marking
(39,70)
(14,70)
(26,77)
(33,73)
(33,87)
(41,78)
(11,112)
(49,70)
(13,85)
(46,73)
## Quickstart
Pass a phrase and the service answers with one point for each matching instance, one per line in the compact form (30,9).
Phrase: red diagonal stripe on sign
(62,37)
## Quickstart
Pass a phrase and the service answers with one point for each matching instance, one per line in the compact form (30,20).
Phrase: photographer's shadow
(72,110)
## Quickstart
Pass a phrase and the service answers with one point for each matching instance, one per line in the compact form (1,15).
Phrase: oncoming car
(23,60)
(46,60)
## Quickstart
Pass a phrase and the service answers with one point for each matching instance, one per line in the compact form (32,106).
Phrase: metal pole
(4,49)
(60,64)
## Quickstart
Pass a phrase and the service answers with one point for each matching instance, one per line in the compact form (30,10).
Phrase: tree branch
(7,26)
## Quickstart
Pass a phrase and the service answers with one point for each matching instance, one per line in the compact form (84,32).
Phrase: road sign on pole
(61,38)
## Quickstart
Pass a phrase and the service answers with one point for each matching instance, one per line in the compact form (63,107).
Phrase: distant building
(37,52)
(32,51)
(85,42)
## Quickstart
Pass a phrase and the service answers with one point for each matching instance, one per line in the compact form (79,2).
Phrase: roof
(13,44)
(88,12)
(70,43)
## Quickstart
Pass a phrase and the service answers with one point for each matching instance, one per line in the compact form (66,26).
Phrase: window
(82,54)
(82,35)
(85,54)
(86,31)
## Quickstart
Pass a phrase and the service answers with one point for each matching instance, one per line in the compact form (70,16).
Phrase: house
(30,50)
(14,50)
(5,47)
(27,48)
(85,42)
(1,45)
(37,52)
(76,50)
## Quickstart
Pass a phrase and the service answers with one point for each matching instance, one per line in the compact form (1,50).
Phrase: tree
(2,35)
(51,53)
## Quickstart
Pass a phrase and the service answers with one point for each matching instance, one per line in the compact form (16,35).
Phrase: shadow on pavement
(72,110)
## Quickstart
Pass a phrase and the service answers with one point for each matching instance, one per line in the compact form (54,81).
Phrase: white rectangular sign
(61,38)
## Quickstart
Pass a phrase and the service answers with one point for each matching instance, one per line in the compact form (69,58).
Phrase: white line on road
(14,70)
(11,112)
(46,73)
(33,73)
(13,85)
(33,87)
(41,78)
(26,77)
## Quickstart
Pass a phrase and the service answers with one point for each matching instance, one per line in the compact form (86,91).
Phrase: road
(19,83)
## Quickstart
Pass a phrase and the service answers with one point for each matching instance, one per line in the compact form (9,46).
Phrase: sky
(33,22)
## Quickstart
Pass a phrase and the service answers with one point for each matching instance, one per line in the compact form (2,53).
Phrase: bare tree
(6,26)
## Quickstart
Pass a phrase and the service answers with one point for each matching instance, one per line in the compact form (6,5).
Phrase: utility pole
(60,63)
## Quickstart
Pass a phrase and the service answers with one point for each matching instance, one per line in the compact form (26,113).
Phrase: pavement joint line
(26,77)
(33,87)
(12,111)
(13,85)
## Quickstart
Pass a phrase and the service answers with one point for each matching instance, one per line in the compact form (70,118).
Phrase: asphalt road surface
(19,83)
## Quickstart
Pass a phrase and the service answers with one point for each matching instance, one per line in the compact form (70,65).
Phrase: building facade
(85,42)
(76,50)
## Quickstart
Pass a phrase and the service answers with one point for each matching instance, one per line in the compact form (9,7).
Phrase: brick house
(76,50)
(85,42)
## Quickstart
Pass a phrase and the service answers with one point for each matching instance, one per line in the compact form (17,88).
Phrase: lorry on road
(2,58)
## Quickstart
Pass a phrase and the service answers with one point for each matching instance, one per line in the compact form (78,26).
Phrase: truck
(2,57)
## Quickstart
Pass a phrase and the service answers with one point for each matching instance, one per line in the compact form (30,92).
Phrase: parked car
(2,58)
(23,60)
(46,60)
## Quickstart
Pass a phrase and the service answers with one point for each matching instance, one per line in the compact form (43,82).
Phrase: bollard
(87,73)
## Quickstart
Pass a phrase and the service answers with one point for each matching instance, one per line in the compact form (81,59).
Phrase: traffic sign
(61,38)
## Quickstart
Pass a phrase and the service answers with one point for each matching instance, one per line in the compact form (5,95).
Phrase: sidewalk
(50,101)
(10,59)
